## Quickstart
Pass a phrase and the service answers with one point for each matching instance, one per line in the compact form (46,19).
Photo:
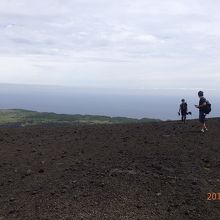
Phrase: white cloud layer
(110,43)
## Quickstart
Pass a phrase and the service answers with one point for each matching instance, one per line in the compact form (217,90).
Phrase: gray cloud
(109,41)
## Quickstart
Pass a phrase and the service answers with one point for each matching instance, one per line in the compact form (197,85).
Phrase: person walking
(183,110)
(204,109)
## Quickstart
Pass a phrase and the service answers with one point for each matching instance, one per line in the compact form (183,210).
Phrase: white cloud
(148,38)
(130,43)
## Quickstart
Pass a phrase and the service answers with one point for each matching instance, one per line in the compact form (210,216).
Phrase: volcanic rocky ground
(145,171)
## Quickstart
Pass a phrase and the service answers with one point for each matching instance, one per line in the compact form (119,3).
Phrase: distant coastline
(157,104)
(22,117)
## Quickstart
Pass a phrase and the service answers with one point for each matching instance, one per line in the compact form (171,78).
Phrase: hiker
(204,109)
(183,110)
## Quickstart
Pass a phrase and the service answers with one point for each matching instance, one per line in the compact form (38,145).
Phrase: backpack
(207,108)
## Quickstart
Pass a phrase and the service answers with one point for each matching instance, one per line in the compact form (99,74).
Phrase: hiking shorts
(202,117)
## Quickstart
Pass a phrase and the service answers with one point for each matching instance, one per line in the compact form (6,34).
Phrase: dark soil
(153,171)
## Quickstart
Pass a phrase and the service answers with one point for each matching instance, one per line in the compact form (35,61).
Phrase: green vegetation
(26,117)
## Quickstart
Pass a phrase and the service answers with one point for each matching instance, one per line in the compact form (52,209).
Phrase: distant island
(21,117)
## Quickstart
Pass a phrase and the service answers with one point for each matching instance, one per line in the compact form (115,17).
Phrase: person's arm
(200,106)
(204,104)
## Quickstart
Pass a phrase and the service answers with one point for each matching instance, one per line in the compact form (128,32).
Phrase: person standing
(202,110)
(183,110)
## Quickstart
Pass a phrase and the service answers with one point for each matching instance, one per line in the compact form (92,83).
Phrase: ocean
(135,103)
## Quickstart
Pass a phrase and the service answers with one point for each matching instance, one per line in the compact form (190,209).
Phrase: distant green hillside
(26,117)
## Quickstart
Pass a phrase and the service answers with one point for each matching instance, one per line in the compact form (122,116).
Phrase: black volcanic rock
(161,170)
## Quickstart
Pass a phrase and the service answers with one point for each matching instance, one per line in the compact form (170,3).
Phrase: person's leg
(183,114)
(184,118)
(204,125)
(202,121)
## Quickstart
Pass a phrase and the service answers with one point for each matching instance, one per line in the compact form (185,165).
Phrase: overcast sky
(139,44)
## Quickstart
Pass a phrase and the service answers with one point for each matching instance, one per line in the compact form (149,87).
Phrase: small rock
(205,160)
(186,212)
(85,195)
(139,206)
(34,193)
(194,183)
(12,199)
(102,184)
(159,194)
(12,211)
(28,172)
(41,171)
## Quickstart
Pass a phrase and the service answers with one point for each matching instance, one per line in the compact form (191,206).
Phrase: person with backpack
(204,109)
(183,110)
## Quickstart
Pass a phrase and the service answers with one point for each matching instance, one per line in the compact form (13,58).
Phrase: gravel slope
(139,171)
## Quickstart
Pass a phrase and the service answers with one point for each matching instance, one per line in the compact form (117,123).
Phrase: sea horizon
(156,103)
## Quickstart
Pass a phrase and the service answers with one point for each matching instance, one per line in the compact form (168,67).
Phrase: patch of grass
(26,117)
